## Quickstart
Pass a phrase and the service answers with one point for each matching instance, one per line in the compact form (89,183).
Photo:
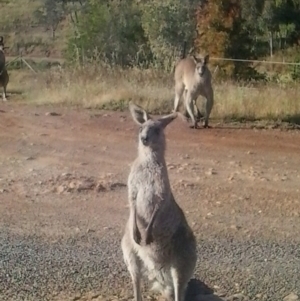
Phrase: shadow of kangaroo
(192,79)
(4,78)
(158,242)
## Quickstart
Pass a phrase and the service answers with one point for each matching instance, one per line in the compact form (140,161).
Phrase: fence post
(21,59)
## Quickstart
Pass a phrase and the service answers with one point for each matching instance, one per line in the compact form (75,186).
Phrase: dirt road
(63,203)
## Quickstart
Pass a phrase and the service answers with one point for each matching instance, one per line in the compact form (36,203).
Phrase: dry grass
(107,88)
(20,27)
(12,10)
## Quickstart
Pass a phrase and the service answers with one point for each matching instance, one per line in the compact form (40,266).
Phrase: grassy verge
(112,88)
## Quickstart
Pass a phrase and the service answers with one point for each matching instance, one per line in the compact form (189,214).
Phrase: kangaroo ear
(206,59)
(138,114)
(164,121)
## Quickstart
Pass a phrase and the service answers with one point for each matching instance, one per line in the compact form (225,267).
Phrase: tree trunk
(271,44)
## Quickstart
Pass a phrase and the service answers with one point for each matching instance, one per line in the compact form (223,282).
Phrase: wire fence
(254,61)
(24,61)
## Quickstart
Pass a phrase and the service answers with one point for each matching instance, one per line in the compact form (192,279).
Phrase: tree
(110,31)
(222,32)
(51,13)
(167,24)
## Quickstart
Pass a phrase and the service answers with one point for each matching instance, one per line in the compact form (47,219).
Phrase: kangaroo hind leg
(179,88)
(133,264)
(179,285)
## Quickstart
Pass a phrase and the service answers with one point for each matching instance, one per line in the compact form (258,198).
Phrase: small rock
(86,185)
(237,297)
(211,172)
(52,114)
(60,189)
(100,187)
(72,185)
(29,158)
(65,174)
(235,227)
(117,185)
(210,297)
(291,297)
(186,185)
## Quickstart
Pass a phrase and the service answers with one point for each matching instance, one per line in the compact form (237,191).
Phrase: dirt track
(63,200)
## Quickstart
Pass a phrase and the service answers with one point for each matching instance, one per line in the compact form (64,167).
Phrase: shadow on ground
(292,119)
(199,291)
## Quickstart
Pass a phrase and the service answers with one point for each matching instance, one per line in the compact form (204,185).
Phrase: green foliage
(295,70)
(167,25)
(127,33)
(151,33)
(50,14)
(110,32)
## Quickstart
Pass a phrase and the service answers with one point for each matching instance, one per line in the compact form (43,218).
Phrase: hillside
(22,30)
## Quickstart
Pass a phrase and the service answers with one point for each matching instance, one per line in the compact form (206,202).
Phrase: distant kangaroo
(4,78)
(158,242)
(193,78)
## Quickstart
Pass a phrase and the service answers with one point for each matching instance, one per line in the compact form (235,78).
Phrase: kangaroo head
(201,64)
(151,132)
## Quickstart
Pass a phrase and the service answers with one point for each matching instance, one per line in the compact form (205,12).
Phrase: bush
(111,32)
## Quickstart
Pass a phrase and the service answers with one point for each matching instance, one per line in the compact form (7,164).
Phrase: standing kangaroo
(4,78)
(158,242)
(193,78)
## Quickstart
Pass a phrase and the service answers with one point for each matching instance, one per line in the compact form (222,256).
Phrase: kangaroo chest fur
(150,184)
(198,85)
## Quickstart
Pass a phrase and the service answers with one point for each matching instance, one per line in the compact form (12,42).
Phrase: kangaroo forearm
(136,231)
(152,219)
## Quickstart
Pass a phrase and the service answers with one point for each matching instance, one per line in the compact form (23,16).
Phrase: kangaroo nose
(144,140)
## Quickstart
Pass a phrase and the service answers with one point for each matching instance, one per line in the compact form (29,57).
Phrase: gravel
(33,269)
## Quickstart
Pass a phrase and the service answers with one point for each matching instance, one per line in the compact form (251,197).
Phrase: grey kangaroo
(158,242)
(192,79)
